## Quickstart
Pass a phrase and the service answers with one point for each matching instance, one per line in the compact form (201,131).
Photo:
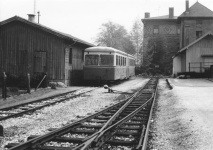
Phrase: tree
(137,40)
(155,56)
(116,36)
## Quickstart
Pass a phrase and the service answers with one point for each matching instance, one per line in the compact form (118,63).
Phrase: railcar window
(116,60)
(123,61)
(91,60)
(107,60)
(119,62)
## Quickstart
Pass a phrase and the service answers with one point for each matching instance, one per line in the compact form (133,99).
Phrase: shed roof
(186,47)
(197,10)
(46,29)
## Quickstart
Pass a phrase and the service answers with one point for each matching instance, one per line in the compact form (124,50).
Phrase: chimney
(147,15)
(187,6)
(171,12)
(31,17)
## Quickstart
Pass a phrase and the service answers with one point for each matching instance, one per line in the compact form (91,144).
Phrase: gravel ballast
(18,129)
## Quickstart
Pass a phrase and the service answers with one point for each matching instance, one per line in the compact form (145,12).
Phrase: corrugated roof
(197,10)
(186,47)
(47,29)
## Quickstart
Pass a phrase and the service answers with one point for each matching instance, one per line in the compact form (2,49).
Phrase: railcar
(107,64)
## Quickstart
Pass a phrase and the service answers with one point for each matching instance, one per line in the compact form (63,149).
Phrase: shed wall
(176,65)
(200,55)
(19,42)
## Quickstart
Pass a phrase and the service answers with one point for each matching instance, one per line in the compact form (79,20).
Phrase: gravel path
(183,116)
(18,129)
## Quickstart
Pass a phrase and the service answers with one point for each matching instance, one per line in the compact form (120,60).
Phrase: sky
(84,18)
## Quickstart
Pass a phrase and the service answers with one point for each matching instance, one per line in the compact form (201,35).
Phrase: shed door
(68,65)
(40,62)
(208,61)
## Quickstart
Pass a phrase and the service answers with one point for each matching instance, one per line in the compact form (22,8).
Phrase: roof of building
(46,29)
(162,17)
(187,47)
(197,10)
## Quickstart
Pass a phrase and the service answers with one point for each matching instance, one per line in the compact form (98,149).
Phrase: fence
(200,67)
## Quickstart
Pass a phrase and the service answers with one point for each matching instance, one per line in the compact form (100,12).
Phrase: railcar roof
(105,49)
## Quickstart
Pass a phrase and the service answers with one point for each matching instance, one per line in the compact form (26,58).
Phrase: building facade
(176,31)
(195,54)
(197,57)
(29,47)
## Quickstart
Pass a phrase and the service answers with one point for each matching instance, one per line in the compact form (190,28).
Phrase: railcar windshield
(91,60)
(106,60)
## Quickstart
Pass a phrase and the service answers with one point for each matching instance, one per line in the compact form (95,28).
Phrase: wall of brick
(168,32)
(190,26)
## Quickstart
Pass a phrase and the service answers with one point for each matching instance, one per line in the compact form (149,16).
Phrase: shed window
(40,62)
(82,55)
(70,56)
(156,29)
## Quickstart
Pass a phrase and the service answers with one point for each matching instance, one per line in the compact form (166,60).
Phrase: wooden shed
(196,57)
(29,47)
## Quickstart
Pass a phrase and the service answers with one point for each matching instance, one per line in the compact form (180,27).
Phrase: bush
(21,80)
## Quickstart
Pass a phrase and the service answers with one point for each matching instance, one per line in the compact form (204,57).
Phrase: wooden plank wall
(195,52)
(19,41)
(77,64)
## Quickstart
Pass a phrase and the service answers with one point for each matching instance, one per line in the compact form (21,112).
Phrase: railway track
(123,124)
(26,108)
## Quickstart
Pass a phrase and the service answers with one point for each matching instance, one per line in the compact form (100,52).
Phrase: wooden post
(1,131)
(40,82)
(28,83)
(4,86)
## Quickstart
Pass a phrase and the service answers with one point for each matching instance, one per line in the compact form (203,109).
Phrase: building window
(70,56)
(156,29)
(198,34)
(178,31)
(199,23)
